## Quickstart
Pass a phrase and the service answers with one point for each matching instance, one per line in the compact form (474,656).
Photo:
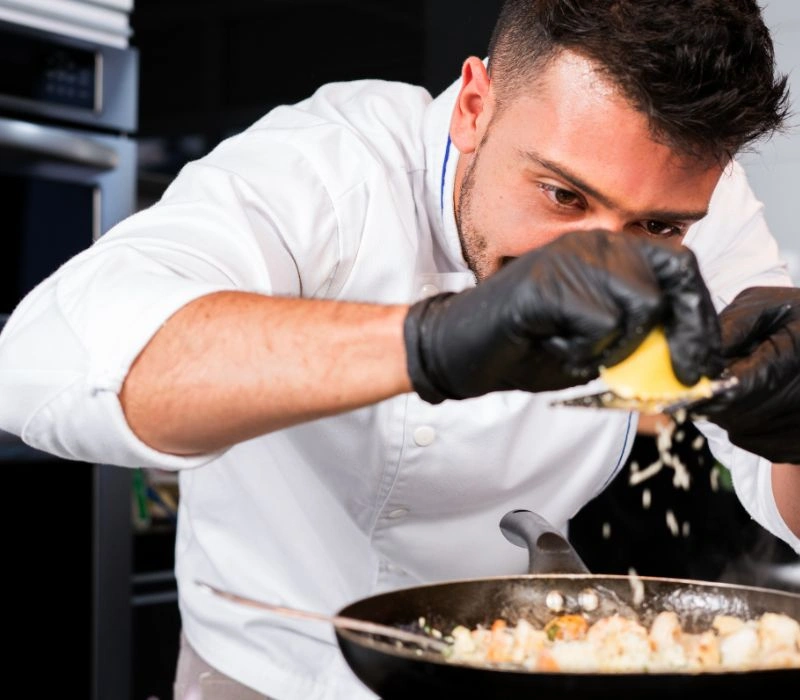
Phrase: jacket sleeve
(67,347)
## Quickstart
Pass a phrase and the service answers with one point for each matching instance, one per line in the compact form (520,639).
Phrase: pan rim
(578,577)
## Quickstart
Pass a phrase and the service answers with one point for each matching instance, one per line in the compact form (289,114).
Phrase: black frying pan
(397,673)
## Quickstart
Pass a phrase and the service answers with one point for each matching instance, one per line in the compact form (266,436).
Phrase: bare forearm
(232,366)
(786,487)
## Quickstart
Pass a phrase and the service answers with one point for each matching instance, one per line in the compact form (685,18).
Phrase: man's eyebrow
(579,184)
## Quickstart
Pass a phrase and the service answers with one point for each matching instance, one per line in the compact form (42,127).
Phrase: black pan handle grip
(548,550)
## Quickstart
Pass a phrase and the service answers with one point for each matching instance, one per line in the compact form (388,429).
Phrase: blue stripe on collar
(444,172)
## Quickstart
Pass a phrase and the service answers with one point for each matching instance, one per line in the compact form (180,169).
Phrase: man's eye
(562,197)
(662,229)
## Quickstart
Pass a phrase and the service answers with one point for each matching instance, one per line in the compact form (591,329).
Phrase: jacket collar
(441,158)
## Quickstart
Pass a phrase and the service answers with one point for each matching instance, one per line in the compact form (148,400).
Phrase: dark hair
(703,71)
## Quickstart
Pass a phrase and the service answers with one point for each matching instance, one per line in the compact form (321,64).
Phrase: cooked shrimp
(527,642)
(739,649)
(575,656)
(665,631)
(500,642)
(778,632)
(665,639)
(701,651)
(725,624)
(621,643)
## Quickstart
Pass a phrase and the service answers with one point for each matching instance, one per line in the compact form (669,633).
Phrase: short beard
(473,244)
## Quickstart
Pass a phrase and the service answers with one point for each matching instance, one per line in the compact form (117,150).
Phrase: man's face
(569,154)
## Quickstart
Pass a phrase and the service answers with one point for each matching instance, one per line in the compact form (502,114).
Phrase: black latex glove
(761,341)
(550,318)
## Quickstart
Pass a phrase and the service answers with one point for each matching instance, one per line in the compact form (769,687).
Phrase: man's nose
(607,223)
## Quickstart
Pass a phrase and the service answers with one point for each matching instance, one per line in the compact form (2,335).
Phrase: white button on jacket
(398,513)
(347,195)
(424,435)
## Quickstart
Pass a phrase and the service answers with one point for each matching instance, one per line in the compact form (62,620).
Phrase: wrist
(786,491)
(418,335)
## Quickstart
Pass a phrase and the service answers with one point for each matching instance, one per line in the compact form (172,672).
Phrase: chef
(345,325)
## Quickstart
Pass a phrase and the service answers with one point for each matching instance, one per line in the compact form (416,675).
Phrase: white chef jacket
(346,195)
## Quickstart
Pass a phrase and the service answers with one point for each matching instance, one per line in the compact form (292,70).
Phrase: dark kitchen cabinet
(67,171)
(155,618)
(210,69)
(66,552)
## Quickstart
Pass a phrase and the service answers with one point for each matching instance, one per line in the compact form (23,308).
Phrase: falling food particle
(697,443)
(672,523)
(636,586)
(714,476)
(685,529)
(679,436)
(646,498)
(638,477)
(606,530)
(681,478)
(664,439)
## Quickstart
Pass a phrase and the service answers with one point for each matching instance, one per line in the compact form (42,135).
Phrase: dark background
(209,68)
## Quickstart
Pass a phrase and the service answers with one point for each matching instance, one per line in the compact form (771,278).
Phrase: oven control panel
(45,75)
(33,69)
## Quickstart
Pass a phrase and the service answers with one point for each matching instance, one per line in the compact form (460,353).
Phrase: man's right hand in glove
(550,318)
(231,365)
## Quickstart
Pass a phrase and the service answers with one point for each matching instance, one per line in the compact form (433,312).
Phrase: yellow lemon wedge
(647,374)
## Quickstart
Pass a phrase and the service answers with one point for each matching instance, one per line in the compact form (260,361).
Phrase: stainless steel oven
(68,118)
(67,157)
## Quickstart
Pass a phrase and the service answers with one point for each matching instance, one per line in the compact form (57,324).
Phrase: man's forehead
(563,71)
(575,123)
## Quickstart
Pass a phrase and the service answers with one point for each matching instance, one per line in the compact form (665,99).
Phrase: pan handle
(549,551)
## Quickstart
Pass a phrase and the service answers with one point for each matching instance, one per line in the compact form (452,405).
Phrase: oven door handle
(56,143)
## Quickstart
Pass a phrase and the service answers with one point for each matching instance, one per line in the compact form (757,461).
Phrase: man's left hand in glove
(761,345)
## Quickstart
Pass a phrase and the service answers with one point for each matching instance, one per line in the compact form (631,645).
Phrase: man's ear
(471,103)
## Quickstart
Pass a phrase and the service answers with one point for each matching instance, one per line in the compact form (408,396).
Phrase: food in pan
(647,375)
(618,644)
